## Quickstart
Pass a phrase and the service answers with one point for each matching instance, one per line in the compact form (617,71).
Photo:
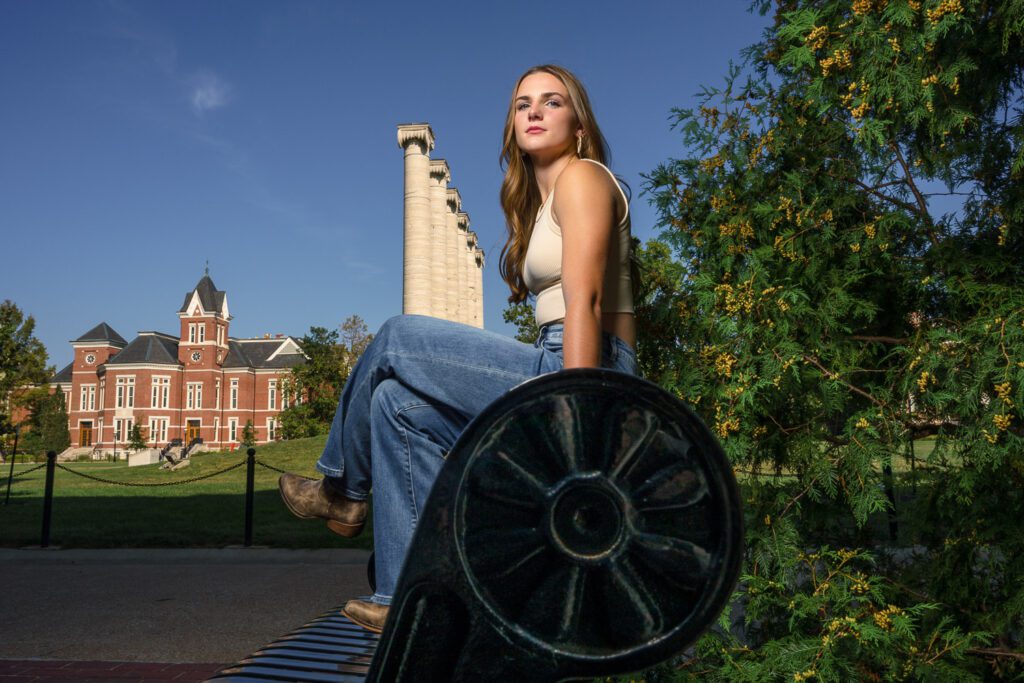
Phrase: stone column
(416,139)
(440,176)
(479,273)
(470,281)
(452,255)
(463,276)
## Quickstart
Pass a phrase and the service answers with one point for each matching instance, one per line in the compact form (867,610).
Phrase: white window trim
(161,391)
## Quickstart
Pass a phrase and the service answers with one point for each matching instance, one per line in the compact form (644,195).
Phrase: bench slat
(329,649)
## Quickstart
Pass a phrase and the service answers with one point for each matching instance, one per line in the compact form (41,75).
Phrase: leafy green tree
(297,422)
(317,382)
(313,388)
(522,316)
(848,278)
(23,359)
(355,337)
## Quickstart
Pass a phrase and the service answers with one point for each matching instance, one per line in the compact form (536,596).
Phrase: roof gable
(263,354)
(207,296)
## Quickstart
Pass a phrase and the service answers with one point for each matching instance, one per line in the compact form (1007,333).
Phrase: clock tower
(203,343)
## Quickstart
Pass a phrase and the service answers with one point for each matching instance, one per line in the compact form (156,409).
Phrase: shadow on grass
(161,521)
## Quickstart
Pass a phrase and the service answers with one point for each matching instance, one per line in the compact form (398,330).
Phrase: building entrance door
(192,431)
(84,434)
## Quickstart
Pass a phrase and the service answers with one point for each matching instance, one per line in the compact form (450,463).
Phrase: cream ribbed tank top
(542,267)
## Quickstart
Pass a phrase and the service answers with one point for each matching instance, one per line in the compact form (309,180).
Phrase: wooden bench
(586,524)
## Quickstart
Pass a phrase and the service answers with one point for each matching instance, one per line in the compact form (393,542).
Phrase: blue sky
(139,139)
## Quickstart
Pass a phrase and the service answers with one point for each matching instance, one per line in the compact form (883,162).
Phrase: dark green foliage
(841,273)
(659,319)
(46,428)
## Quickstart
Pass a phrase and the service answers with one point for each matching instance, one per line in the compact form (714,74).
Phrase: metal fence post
(14,456)
(250,476)
(51,462)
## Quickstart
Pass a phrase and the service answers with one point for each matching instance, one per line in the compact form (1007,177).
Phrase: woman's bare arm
(585,210)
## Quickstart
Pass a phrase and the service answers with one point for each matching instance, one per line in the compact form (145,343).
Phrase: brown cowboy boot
(311,499)
(369,615)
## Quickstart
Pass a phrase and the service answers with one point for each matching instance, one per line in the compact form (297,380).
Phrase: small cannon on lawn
(586,524)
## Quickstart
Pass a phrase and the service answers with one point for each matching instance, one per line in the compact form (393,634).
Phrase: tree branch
(883,340)
(921,203)
(992,652)
(906,206)
(832,375)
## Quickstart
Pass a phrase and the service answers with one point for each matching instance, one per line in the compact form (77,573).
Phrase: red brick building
(200,383)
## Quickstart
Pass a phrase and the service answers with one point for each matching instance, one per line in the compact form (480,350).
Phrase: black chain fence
(270,467)
(52,465)
(149,483)
(31,469)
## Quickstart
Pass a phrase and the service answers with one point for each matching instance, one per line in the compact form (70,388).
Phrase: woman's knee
(384,397)
(399,327)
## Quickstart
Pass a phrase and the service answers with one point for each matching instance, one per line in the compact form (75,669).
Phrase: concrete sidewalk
(167,605)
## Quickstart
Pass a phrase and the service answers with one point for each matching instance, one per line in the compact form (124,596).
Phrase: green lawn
(207,513)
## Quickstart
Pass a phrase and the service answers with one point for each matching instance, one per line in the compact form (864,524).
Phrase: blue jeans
(416,386)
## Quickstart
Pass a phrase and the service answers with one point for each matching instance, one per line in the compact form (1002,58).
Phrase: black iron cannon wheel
(596,517)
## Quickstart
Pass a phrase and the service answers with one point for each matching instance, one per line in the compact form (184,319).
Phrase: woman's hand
(586,210)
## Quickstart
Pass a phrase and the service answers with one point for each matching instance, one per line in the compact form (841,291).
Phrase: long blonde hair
(520,196)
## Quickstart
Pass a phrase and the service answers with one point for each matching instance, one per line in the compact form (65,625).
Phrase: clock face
(196,356)
(90,358)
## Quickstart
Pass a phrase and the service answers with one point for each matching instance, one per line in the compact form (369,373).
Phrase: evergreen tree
(248,439)
(848,278)
(46,428)
(136,438)
(22,360)
(52,423)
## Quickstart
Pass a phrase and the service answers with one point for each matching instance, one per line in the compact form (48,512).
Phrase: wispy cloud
(208,91)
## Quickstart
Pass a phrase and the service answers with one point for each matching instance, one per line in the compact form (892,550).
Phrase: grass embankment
(207,513)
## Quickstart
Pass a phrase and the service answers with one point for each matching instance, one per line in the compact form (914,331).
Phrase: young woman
(421,380)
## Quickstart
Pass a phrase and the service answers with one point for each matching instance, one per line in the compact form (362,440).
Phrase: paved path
(40,671)
(171,606)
